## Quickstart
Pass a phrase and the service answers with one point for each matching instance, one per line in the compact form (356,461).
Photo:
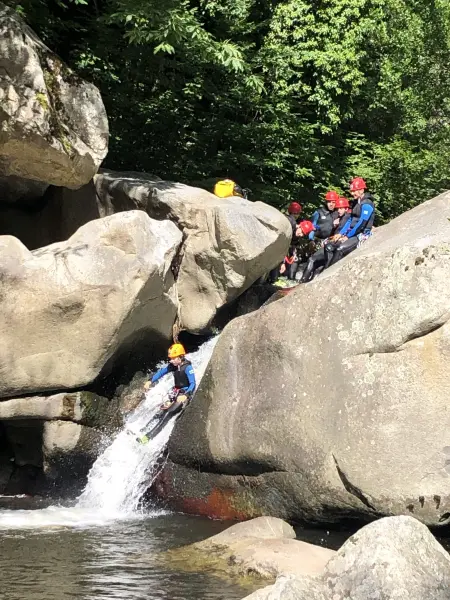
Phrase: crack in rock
(352,489)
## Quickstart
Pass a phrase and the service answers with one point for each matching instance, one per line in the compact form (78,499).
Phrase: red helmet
(342,202)
(306,227)
(357,184)
(294,208)
(331,196)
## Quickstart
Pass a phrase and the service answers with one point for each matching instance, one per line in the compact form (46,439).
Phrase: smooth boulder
(394,557)
(70,310)
(84,408)
(228,243)
(332,402)
(53,125)
(264,547)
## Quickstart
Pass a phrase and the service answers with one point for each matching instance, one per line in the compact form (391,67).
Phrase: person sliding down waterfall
(181,393)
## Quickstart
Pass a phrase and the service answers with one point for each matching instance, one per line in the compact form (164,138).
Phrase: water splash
(124,471)
(120,475)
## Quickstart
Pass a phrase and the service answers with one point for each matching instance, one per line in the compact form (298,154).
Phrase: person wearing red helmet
(305,228)
(324,216)
(357,229)
(291,262)
(294,210)
(318,259)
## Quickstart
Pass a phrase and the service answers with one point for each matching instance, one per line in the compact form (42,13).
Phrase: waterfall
(120,475)
(125,470)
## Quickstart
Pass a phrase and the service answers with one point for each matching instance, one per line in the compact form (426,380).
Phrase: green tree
(289,97)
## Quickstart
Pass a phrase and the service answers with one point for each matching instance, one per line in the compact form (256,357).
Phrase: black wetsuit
(323,221)
(291,269)
(184,380)
(318,259)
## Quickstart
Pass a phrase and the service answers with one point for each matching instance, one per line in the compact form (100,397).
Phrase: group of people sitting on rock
(334,230)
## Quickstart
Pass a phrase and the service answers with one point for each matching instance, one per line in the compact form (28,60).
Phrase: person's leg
(274,274)
(330,248)
(315,261)
(344,249)
(292,270)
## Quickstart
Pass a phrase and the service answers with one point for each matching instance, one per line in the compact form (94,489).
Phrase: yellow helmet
(176,350)
(226,188)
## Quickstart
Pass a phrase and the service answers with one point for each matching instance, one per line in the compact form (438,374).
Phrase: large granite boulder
(264,547)
(227,243)
(53,125)
(332,402)
(395,557)
(70,309)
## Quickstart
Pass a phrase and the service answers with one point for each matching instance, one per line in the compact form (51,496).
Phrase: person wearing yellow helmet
(184,387)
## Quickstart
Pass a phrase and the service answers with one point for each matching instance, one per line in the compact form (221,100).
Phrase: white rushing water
(120,476)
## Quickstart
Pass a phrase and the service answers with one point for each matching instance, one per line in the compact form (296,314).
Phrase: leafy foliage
(288,97)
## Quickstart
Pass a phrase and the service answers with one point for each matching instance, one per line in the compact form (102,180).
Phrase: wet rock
(264,547)
(71,311)
(393,558)
(331,402)
(129,396)
(69,450)
(53,125)
(25,440)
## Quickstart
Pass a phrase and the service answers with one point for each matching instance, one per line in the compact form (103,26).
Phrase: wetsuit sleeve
(366,213)
(160,373)
(344,229)
(314,220)
(191,378)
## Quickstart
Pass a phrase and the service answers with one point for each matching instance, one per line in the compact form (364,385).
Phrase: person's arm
(343,230)
(160,373)
(191,378)
(314,220)
(366,213)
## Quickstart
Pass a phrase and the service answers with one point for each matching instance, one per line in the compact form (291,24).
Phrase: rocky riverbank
(393,557)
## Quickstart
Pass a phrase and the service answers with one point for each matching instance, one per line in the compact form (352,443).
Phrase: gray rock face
(289,587)
(393,558)
(84,408)
(333,401)
(69,308)
(227,243)
(53,125)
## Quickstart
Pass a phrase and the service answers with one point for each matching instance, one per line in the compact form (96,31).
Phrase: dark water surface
(116,562)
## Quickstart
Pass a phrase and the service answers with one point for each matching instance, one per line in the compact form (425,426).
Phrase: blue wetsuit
(184,377)
(361,222)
